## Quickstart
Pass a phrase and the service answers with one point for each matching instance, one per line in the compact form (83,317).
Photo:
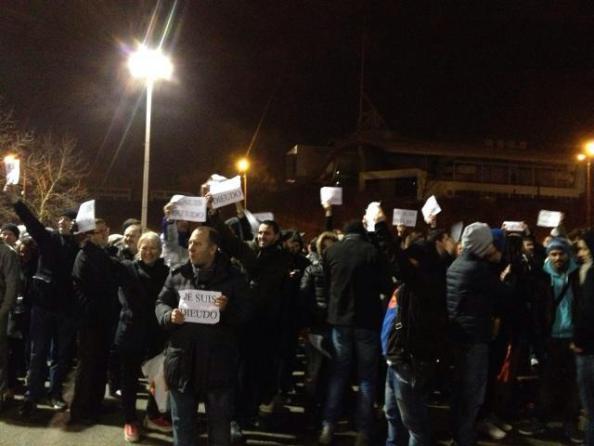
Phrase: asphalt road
(49,428)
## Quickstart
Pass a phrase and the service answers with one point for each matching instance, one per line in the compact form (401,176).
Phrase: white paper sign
(549,219)
(430,208)
(405,217)
(226,192)
(331,195)
(261,216)
(13,170)
(371,214)
(456,231)
(514,226)
(188,208)
(85,218)
(198,306)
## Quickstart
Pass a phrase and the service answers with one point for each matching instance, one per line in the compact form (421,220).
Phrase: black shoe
(58,403)
(27,409)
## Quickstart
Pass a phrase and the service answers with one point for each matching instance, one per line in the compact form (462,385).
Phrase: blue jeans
(184,415)
(397,434)
(585,379)
(411,394)
(346,341)
(471,363)
(55,330)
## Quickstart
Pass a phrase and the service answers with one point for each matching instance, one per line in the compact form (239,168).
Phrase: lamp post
(150,66)
(243,165)
(587,156)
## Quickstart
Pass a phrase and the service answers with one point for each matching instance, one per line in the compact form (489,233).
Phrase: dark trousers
(397,433)
(47,328)
(585,376)
(130,363)
(94,342)
(411,387)
(219,409)
(558,386)
(3,357)
(469,382)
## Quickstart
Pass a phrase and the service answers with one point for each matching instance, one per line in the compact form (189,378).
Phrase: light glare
(150,64)
(243,165)
(590,148)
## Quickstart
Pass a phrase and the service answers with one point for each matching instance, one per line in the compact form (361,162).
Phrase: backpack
(389,318)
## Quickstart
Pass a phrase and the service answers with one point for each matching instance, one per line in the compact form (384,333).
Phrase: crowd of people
(400,317)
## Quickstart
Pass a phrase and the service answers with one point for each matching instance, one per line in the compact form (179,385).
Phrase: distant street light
(150,66)
(588,154)
(243,165)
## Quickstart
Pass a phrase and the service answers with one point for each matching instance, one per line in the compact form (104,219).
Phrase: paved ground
(49,429)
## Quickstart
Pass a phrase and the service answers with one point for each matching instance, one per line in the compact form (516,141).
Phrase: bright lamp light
(589,146)
(581,157)
(243,165)
(150,64)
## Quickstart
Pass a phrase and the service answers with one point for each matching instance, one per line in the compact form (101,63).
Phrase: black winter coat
(56,259)
(357,275)
(138,329)
(95,278)
(201,356)
(473,291)
(268,274)
(313,297)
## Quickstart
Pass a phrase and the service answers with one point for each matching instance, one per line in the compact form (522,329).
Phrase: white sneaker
(492,431)
(326,434)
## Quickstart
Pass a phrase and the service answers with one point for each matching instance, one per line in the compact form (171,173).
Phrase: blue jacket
(562,322)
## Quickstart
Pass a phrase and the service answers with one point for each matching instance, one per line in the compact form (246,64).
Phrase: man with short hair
(357,276)
(202,358)
(268,268)
(52,306)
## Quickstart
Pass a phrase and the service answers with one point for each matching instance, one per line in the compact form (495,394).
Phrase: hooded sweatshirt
(563,322)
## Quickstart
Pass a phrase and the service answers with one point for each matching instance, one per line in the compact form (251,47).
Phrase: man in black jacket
(473,290)
(268,267)
(95,286)
(203,304)
(52,316)
(357,275)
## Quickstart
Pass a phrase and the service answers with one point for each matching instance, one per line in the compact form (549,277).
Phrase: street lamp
(587,155)
(149,65)
(243,165)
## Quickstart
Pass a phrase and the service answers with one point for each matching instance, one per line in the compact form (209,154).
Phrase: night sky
(524,71)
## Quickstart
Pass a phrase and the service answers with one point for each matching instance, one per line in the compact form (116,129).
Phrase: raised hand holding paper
(405,217)
(456,231)
(85,218)
(188,208)
(371,213)
(13,169)
(331,195)
(430,208)
(549,219)
(226,192)
(514,226)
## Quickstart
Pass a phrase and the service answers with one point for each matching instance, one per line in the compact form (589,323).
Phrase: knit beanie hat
(498,239)
(12,228)
(477,238)
(559,244)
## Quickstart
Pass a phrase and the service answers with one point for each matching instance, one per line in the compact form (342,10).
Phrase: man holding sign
(203,304)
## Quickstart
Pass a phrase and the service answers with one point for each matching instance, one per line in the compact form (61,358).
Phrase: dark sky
(519,70)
